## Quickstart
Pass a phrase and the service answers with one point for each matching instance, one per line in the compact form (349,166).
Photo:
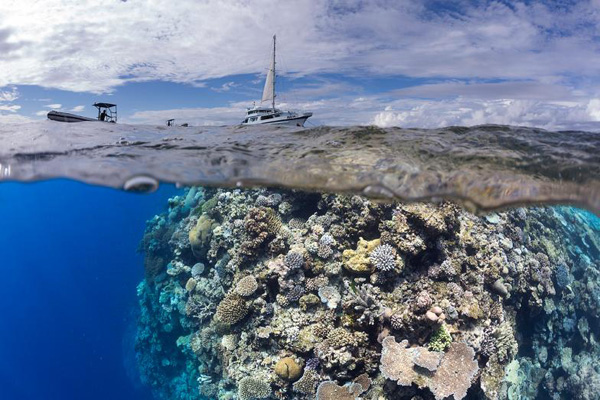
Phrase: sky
(352,62)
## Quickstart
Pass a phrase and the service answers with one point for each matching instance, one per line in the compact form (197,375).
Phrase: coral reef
(253,294)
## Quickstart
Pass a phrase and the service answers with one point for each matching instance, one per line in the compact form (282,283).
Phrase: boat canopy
(104,105)
(106,112)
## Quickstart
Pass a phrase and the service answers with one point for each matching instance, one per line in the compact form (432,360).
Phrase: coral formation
(287,368)
(291,295)
(383,257)
(246,286)
(231,309)
(251,388)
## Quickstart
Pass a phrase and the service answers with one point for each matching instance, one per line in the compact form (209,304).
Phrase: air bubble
(378,191)
(142,184)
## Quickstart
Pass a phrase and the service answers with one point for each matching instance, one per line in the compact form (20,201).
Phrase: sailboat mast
(274,76)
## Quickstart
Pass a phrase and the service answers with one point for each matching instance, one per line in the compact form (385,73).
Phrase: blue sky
(407,63)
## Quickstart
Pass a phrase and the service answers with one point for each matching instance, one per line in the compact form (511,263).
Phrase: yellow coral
(201,233)
(358,260)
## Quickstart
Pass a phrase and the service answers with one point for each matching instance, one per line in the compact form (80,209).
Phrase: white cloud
(469,112)
(593,109)
(376,110)
(41,113)
(77,109)
(54,106)
(11,107)
(13,119)
(91,46)
(10,95)
(225,87)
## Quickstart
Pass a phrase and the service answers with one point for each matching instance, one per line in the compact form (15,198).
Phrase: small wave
(483,167)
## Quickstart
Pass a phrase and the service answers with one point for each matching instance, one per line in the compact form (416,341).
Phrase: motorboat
(107,112)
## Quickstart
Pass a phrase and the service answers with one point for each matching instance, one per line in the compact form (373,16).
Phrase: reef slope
(253,294)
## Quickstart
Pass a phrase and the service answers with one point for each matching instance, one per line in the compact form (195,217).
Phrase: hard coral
(330,296)
(440,340)
(200,234)
(232,309)
(308,383)
(452,376)
(261,224)
(358,260)
(246,286)
(251,388)
(329,390)
(287,368)
(294,260)
(383,257)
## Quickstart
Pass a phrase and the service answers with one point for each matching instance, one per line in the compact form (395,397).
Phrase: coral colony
(256,294)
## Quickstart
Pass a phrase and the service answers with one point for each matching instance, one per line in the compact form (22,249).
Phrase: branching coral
(383,257)
(440,339)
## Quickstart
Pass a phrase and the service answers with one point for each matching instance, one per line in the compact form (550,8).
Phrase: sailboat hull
(291,119)
(298,121)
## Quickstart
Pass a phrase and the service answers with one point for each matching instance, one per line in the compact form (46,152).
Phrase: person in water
(103,115)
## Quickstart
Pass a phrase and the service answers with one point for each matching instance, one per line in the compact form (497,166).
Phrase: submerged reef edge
(279,294)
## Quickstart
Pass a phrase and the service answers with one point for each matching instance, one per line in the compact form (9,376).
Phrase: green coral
(440,339)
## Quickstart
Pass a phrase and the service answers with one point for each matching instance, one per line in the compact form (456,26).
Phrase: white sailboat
(271,115)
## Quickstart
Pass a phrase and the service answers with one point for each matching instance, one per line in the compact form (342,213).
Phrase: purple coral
(312,363)
(295,293)
(294,260)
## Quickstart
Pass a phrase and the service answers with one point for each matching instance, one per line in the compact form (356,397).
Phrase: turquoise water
(316,289)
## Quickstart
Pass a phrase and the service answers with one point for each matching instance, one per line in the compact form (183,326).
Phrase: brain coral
(232,309)
(251,388)
(287,368)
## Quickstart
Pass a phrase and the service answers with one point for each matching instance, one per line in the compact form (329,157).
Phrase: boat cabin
(107,112)
(256,114)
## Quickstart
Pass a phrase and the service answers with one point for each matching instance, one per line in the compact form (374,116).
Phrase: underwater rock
(499,287)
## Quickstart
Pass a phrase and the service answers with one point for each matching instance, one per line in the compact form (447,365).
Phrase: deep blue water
(69,269)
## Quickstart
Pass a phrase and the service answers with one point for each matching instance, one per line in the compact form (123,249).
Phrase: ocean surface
(141,262)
